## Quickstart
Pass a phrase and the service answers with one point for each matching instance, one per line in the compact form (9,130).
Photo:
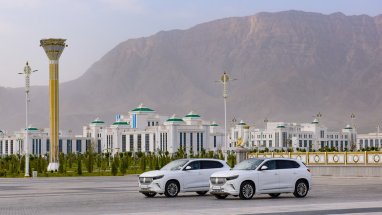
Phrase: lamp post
(224,80)
(353,134)
(27,72)
(378,140)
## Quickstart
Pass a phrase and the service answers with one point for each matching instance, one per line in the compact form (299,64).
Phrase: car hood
(228,173)
(155,173)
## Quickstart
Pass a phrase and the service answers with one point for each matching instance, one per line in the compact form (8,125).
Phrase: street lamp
(27,72)
(224,80)
(353,134)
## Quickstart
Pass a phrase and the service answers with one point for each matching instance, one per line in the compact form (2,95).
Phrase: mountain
(288,65)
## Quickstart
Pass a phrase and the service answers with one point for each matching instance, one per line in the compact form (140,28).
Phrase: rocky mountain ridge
(289,66)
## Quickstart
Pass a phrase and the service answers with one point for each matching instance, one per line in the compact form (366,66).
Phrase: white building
(369,140)
(39,144)
(282,135)
(143,130)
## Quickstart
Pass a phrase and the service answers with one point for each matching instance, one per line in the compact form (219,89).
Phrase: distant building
(143,130)
(39,143)
(282,135)
(369,140)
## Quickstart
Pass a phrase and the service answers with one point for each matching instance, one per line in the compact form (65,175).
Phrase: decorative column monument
(53,49)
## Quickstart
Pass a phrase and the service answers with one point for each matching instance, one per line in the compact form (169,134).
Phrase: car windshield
(175,165)
(249,164)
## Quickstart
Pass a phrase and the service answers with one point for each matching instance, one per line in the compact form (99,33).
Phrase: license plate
(144,186)
(217,189)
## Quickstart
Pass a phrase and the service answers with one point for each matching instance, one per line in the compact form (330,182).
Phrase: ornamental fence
(368,158)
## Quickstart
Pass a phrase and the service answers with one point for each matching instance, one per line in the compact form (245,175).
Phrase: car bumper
(154,187)
(228,188)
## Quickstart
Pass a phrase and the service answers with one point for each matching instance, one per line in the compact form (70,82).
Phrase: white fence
(371,158)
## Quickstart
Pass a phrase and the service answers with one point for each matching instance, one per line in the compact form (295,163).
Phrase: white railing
(328,158)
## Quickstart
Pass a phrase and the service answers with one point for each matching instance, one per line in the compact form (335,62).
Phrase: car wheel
(301,189)
(274,195)
(171,189)
(201,193)
(247,190)
(220,196)
(149,195)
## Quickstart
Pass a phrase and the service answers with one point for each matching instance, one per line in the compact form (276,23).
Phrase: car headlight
(158,177)
(232,177)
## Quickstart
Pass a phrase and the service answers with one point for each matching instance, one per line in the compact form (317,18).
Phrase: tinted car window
(270,164)
(250,164)
(286,164)
(210,164)
(194,165)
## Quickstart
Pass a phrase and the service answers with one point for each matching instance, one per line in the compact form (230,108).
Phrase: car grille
(217,181)
(145,180)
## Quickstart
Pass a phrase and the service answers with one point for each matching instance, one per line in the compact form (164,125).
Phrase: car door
(207,167)
(268,180)
(192,178)
(287,173)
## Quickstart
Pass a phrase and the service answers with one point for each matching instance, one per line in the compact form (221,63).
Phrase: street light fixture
(224,80)
(27,72)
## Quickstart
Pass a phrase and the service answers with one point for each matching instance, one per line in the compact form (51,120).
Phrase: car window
(250,164)
(210,164)
(287,164)
(194,165)
(270,164)
(175,165)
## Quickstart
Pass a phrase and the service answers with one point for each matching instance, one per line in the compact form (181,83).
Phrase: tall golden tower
(53,49)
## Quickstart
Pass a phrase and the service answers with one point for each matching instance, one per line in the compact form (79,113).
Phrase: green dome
(121,123)
(192,115)
(98,121)
(32,129)
(173,118)
(142,108)
(214,124)
(242,122)
(281,126)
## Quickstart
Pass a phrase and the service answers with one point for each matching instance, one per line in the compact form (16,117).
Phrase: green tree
(123,167)
(114,168)
(61,161)
(79,165)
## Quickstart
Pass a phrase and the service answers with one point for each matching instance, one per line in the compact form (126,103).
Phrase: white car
(183,175)
(271,176)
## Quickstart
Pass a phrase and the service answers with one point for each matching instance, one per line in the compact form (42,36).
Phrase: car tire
(149,195)
(247,190)
(171,189)
(301,189)
(220,196)
(274,195)
(201,193)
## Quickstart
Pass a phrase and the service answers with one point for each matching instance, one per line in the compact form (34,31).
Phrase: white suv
(184,175)
(262,176)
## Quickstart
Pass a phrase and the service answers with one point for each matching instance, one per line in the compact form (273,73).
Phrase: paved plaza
(119,195)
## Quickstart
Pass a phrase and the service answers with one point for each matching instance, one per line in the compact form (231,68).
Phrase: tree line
(104,164)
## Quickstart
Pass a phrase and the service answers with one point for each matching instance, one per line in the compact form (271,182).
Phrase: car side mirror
(188,168)
(263,168)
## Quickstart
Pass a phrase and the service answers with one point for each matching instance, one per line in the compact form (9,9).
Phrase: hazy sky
(93,27)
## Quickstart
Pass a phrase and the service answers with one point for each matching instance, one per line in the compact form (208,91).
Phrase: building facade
(39,142)
(284,136)
(143,130)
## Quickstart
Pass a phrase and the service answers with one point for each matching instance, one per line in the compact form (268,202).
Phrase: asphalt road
(119,195)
